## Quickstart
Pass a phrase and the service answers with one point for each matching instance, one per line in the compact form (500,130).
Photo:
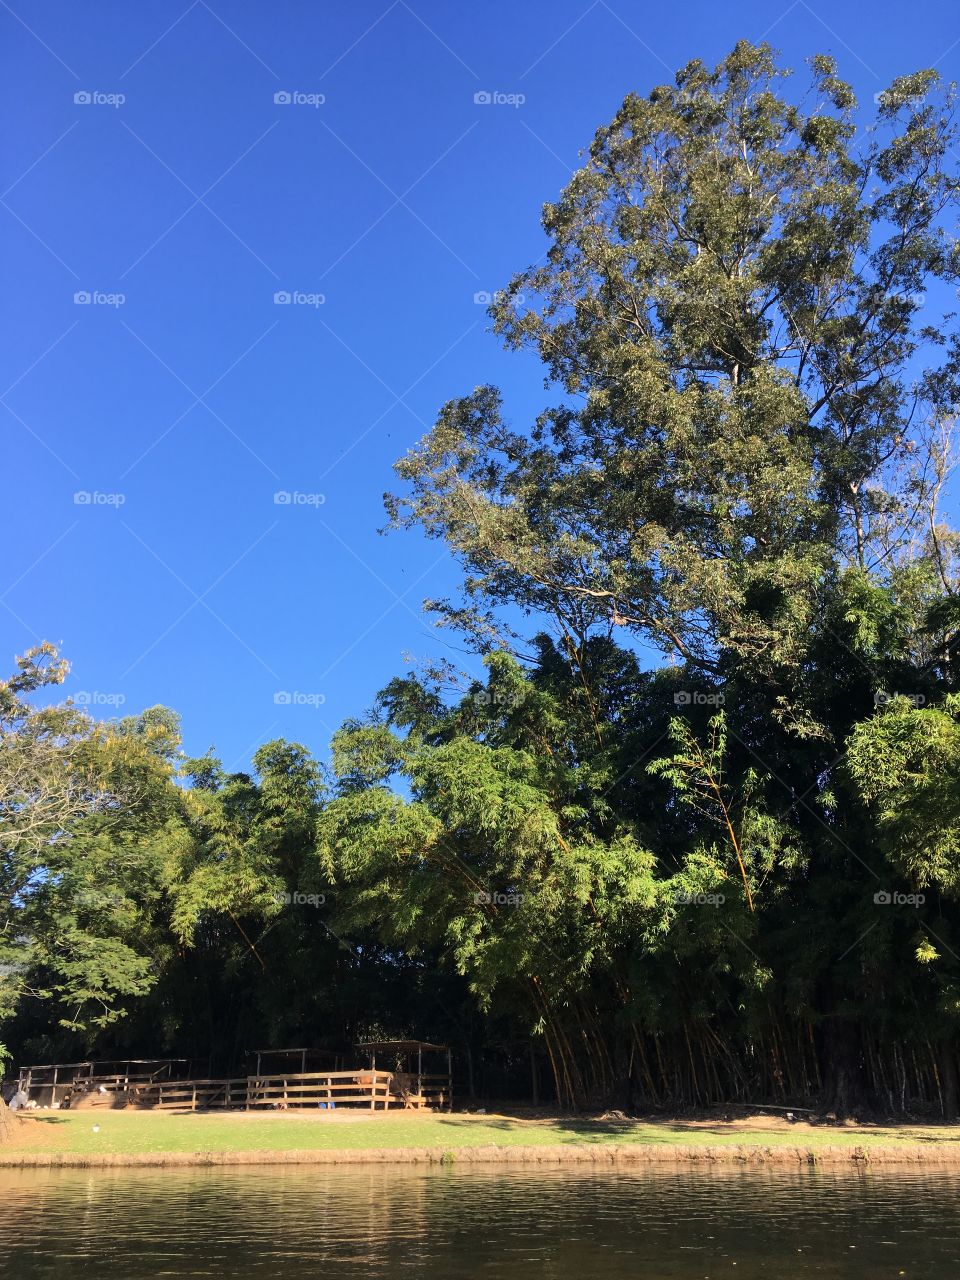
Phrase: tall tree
(749,384)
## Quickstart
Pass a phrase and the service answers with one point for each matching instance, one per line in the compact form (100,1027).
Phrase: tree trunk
(620,1091)
(7,1123)
(844,1085)
(948,1080)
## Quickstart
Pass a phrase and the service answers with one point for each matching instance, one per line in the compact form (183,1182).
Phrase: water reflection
(450,1222)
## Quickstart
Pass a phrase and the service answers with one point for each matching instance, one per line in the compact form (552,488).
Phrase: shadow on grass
(653,1130)
(577,1129)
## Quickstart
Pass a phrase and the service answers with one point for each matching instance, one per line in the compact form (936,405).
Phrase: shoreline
(905,1153)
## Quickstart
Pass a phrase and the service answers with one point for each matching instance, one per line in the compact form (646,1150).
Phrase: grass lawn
(128,1132)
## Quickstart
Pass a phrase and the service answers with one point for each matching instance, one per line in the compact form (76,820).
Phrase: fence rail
(181,1094)
(316,1088)
(373,1089)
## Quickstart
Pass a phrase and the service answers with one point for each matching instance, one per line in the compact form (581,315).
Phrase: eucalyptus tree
(750,390)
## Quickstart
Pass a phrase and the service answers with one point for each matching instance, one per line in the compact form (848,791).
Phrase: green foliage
(905,762)
(87,815)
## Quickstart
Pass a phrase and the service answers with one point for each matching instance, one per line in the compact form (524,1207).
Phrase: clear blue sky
(198,397)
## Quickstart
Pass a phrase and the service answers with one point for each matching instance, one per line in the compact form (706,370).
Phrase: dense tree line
(695,835)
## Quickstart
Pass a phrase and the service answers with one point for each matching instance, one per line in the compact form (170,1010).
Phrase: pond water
(443,1223)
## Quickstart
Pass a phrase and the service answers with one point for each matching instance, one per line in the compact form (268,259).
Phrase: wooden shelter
(332,1058)
(321,1077)
(404,1060)
(48,1084)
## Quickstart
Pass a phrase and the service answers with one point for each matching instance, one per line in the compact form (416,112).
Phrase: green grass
(128,1132)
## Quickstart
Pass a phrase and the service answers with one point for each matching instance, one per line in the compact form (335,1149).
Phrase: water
(447,1223)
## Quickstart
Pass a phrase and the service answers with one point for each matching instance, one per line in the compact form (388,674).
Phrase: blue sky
(151,169)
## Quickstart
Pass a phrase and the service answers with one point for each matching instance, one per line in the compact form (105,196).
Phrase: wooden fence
(321,1088)
(189,1095)
(52,1084)
(372,1089)
(436,1091)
